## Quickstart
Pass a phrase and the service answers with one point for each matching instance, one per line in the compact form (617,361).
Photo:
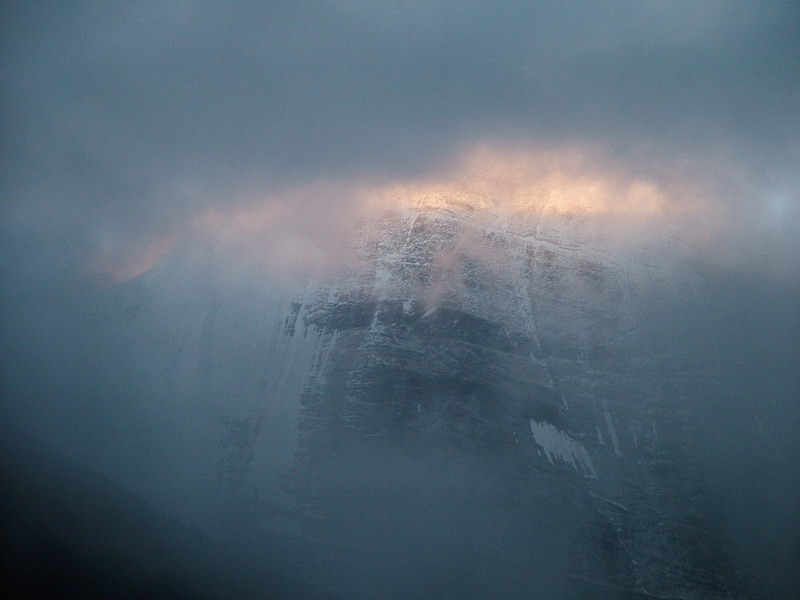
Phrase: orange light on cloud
(556,183)
(311,226)
(114,265)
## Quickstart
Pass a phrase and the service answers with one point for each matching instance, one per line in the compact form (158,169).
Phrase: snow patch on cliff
(557,444)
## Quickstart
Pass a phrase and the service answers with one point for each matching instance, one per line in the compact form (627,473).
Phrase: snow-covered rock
(488,394)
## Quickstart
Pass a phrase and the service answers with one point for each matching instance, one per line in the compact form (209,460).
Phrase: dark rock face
(489,403)
(491,416)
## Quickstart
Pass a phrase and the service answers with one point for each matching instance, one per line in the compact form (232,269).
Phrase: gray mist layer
(194,385)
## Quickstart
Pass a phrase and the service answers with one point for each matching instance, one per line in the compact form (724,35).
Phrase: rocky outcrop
(492,380)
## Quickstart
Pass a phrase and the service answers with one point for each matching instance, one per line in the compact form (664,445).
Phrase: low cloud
(313,229)
(124,125)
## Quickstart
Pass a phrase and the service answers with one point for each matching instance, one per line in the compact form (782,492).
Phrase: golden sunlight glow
(555,183)
(309,226)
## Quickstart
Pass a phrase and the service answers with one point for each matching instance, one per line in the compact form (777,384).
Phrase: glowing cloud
(558,182)
(312,227)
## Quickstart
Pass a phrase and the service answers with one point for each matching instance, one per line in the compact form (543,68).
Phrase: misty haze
(401,301)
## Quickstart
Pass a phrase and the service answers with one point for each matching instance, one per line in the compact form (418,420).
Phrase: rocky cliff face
(490,403)
(490,395)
